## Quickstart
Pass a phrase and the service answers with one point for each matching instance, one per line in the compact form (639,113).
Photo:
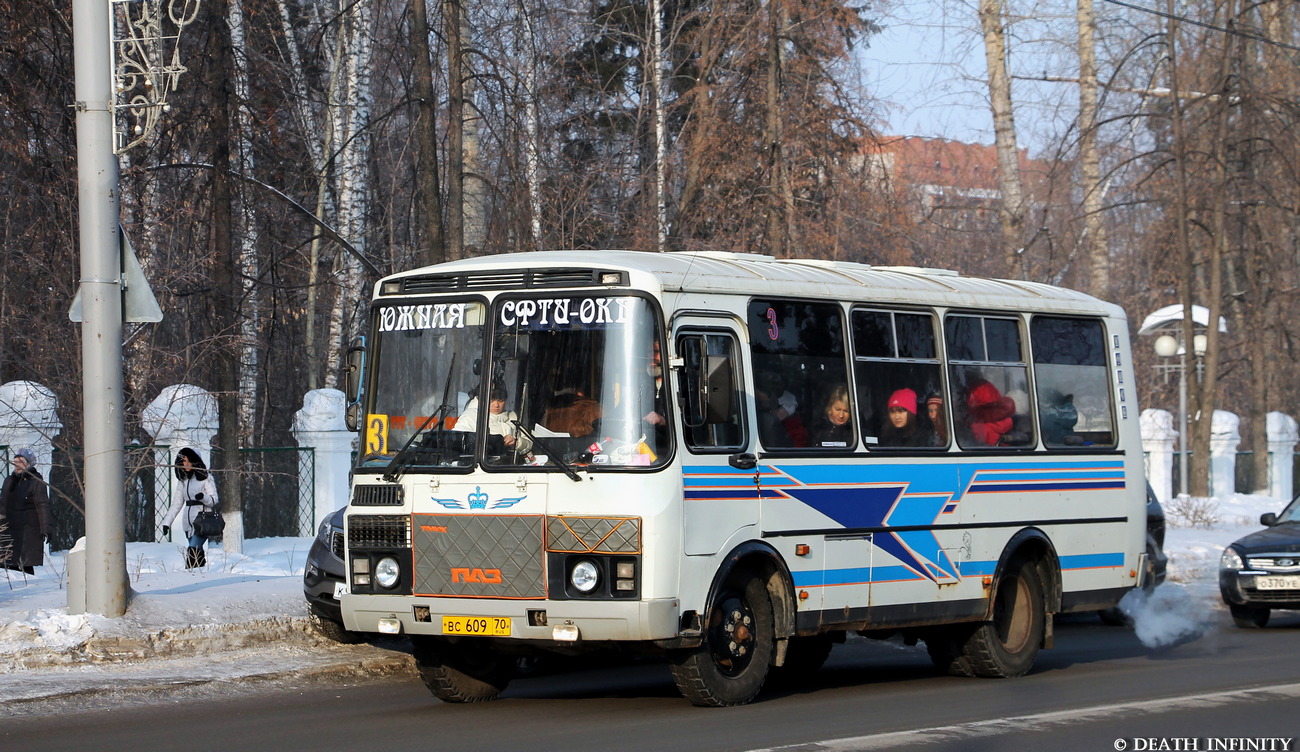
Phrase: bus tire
(1006,646)
(467,670)
(730,665)
(945,644)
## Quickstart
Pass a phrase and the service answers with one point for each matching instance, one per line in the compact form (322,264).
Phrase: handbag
(209,524)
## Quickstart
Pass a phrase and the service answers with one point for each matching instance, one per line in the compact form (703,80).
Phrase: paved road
(1099,685)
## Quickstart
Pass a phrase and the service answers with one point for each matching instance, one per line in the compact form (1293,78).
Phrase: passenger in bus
(571,411)
(1059,418)
(934,411)
(834,428)
(903,428)
(653,395)
(991,415)
(503,435)
(780,424)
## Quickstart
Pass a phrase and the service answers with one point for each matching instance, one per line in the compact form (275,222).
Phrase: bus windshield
(425,363)
(576,381)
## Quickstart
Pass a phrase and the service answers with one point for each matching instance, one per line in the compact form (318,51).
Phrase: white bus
(734,460)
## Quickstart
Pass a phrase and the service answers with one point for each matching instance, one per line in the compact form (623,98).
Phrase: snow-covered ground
(264,584)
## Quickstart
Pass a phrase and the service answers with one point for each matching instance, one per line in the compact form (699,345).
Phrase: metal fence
(277,485)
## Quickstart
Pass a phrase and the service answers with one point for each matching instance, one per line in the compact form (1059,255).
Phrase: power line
(1212,27)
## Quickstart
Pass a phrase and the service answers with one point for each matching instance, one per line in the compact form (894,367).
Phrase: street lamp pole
(1183,471)
(1168,346)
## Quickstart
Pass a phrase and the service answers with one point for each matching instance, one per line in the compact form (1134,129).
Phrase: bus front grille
(377,496)
(478,556)
(379,532)
(508,280)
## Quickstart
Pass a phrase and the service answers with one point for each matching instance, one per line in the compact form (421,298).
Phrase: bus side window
(1073,382)
(896,361)
(989,382)
(798,352)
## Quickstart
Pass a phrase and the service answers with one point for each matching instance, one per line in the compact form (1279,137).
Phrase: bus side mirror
(353,370)
(694,361)
(708,383)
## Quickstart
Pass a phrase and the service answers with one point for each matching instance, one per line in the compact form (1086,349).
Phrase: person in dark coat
(835,427)
(194,492)
(25,502)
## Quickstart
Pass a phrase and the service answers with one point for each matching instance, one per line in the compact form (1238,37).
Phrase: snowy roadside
(241,616)
(252,605)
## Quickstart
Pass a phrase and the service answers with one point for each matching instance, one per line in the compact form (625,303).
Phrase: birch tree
(1011,208)
(242,161)
(352,131)
(1095,235)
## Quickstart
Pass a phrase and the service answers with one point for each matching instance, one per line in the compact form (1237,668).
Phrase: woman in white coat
(194,492)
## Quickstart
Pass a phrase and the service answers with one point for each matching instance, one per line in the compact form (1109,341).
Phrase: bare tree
(1011,209)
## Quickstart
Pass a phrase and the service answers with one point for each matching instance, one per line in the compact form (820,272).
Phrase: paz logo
(476,500)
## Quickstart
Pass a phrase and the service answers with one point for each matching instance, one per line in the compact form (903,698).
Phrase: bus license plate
(1277,583)
(479,626)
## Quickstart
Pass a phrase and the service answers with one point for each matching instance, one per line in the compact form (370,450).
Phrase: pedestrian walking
(194,492)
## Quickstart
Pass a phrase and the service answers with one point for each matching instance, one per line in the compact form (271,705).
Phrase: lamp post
(1169,346)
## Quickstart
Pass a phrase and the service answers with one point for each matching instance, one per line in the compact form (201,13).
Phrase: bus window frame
(665,459)
(939,361)
(840,305)
(1111,394)
(1030,410)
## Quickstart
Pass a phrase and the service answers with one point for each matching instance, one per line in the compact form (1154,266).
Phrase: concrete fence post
(29,417)
(1225,437)
(1158,436)
(1282,437)
(320,425)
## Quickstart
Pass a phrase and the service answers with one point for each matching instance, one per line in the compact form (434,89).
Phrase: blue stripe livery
(897,495)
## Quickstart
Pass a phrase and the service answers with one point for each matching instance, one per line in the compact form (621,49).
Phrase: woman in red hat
(903,428)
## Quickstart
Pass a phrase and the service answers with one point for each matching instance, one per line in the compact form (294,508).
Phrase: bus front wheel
(1005,646)
(467,670)
(729,667)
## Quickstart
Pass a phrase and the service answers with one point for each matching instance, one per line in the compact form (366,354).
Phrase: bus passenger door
(720,499)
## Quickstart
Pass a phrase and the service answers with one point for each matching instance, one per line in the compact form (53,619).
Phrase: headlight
(584,576)
(323,532)
(1230,559)
(387,572)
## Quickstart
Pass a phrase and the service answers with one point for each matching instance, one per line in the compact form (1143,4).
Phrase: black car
(1261,571)
(322,575)
(1157,561)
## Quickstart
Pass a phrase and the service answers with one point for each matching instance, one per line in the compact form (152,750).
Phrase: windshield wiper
(406,457)
(550,453)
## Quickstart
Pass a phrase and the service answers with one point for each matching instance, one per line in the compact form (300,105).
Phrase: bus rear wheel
(467,670)
(1005,646)
(729,667)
